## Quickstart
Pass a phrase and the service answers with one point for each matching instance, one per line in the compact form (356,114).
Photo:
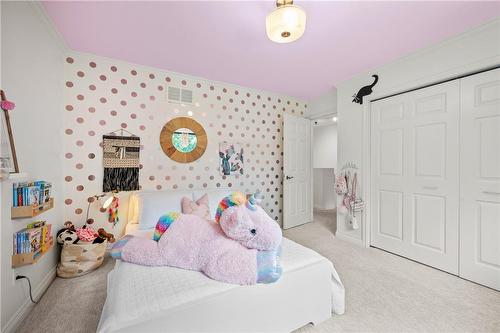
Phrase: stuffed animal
(67,235)
(103,235)
(242,246)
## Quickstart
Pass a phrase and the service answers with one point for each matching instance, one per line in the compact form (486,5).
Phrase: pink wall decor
(103,94)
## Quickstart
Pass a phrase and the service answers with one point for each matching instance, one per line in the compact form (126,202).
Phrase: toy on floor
(67,235)
(241,247)
(105,236)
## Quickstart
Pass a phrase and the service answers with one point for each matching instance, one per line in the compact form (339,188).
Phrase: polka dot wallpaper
(103,95)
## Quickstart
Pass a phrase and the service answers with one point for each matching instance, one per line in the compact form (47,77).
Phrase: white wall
(476,49)
(324,164)
(325,146)
(32,73)
(324,196)
(323,105)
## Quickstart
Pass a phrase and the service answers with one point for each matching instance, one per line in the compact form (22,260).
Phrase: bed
(168,299)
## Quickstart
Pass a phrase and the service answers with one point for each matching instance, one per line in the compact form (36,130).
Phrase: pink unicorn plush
(242,246)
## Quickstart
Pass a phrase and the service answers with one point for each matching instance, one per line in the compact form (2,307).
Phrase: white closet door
(480,179)
(415,181)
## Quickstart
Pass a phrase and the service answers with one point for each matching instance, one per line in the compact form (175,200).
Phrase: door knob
(289,177)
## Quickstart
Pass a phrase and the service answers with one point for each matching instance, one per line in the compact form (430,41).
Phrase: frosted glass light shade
(286,24)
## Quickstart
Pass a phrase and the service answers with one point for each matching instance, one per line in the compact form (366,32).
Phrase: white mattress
(139,293)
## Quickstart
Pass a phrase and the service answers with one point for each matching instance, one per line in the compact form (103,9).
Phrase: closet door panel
(432,219)
(390,140)
(415,175)
(480,179)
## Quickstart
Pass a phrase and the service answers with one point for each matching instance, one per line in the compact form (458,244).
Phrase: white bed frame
(300,297)
(303,296)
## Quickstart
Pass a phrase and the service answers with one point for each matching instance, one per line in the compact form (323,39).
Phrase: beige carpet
(385,293)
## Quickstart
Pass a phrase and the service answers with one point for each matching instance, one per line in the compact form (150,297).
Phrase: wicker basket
(80,259)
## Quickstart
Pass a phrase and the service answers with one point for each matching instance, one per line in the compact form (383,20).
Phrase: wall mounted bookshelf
(30,258)
(23,212)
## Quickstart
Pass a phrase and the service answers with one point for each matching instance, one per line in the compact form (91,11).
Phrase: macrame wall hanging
(120,161)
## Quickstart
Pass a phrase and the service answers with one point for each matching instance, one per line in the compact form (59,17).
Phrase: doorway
(324,169)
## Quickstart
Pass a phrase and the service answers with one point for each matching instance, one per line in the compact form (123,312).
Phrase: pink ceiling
(226,41)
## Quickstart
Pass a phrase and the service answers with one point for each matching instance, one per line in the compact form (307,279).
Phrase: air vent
(186,96)
(178,95)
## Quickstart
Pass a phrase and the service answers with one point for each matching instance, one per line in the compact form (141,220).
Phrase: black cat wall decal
(364,91)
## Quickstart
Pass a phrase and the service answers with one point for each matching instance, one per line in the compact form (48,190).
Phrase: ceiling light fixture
(334,119)
(286,23)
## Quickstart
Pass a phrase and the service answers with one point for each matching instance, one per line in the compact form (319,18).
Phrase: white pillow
(152,205)
(214,197)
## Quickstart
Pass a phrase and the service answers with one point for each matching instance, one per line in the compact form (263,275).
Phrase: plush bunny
(242,246)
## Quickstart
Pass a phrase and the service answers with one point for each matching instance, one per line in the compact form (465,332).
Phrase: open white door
(297,182)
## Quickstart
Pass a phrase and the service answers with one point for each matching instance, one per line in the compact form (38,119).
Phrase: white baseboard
(348,238)
(13,324)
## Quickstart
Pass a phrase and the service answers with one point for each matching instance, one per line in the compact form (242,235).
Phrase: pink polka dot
(198,85)
(143,106)
(143,85)
(79,120)
(69,131)
(113,113)
(102,122)
(68,178)
(113,68)
(114,91)
(168,79)
(123,103)
(160,88)
(91,177)
(79,143)
(123,125)
(158,187)
(68,156)
(80,97)
(92,64)
(69,107)
(68,201)
(183,82)
(103,100)
(151,76)
(91,109)
(133,94)
(69,60)
(80,74)
(79,188)
(133,72)
(91,156)
(123,81)
(151,98)
(142,127)
(133,116)
(79,166)
(103,77)
(69,84)
(91,133)
(92,87)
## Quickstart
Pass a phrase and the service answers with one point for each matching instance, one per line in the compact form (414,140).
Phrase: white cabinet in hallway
(480,179)
(435,176)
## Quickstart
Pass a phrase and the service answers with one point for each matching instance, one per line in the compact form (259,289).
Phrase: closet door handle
(289,177)
(430,188)
(491,192)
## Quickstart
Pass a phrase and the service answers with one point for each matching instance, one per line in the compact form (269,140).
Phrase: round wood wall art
(183,139)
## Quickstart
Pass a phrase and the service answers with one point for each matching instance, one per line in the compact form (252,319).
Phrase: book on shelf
(31,193)
(35,238)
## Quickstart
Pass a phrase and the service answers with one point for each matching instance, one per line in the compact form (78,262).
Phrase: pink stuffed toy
(241,247)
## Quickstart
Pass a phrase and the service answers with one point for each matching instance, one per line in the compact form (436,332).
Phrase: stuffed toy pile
(241,247)
(70,235)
